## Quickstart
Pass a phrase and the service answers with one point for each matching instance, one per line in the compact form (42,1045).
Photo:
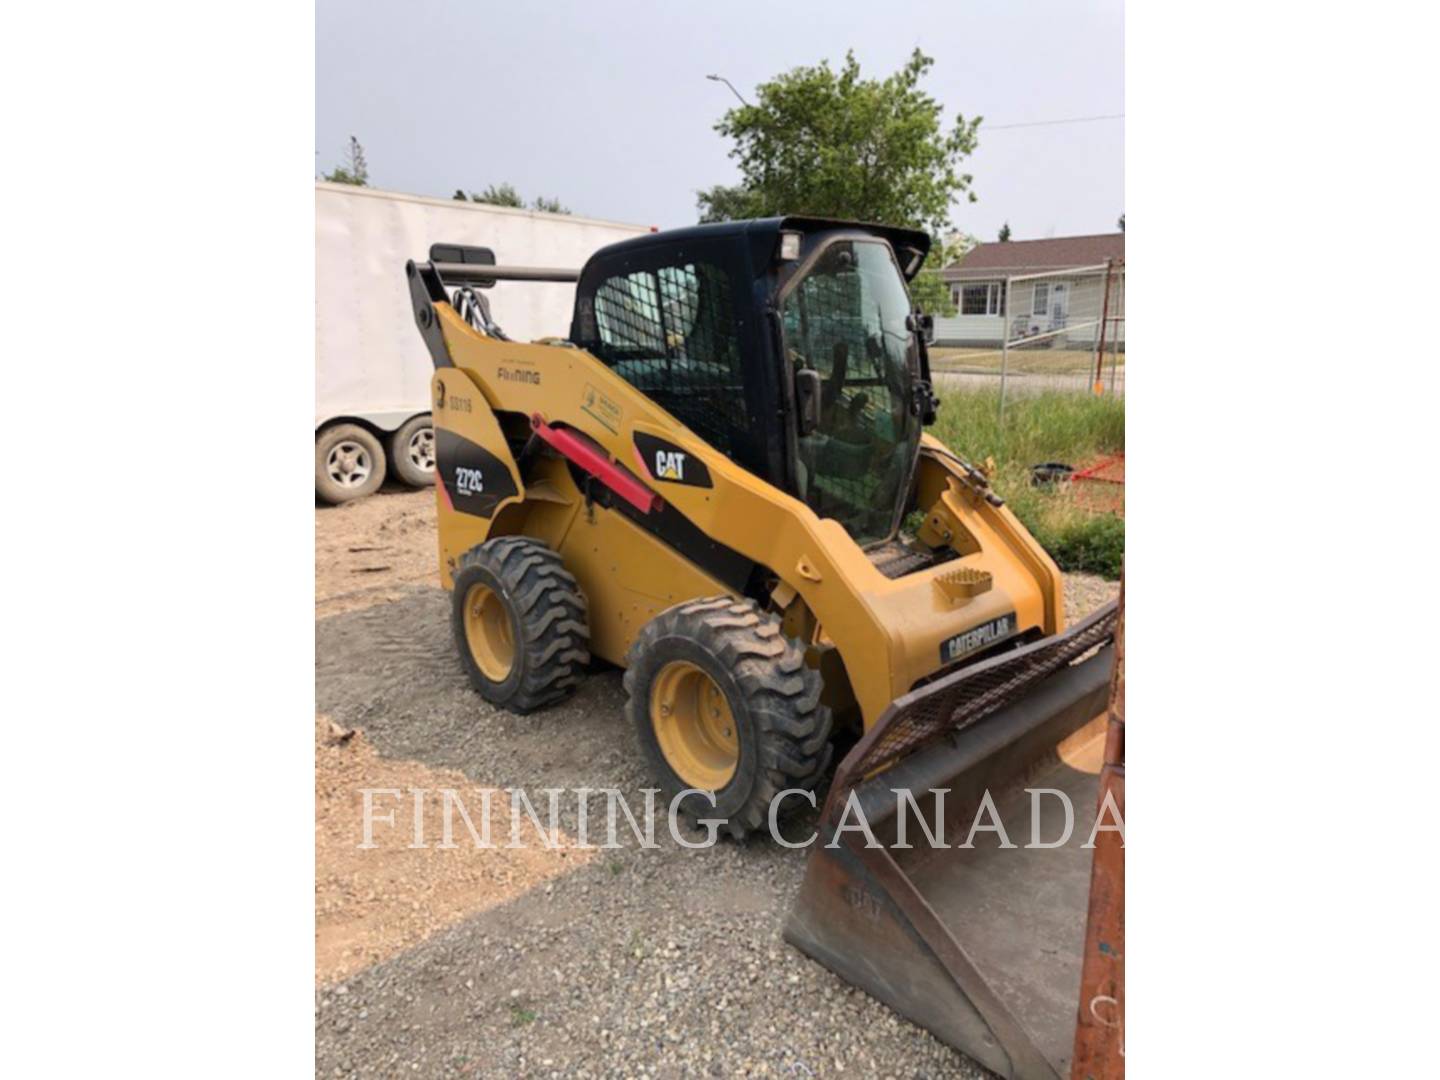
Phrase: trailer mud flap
(980,936)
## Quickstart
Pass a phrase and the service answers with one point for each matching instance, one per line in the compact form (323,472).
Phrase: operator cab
(789,344)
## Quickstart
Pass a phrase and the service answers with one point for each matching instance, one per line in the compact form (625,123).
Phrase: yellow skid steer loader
(708,483)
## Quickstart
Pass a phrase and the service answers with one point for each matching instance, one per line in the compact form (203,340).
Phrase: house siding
(970,330)
(1086,296)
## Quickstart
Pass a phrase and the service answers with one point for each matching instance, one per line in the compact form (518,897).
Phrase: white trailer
(372,374)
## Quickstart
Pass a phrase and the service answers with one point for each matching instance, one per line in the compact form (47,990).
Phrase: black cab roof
(763,234)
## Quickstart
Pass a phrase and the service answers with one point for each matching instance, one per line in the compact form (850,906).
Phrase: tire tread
(781,693)
(553,640)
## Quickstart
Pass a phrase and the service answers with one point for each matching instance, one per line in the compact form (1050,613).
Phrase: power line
(1047,123)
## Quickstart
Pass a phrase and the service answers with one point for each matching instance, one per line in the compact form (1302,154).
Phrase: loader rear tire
(520,623)
(723,702)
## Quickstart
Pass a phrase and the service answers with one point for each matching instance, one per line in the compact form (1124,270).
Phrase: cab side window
(671,334)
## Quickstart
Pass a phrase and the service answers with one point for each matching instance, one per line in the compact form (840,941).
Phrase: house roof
(1031,256)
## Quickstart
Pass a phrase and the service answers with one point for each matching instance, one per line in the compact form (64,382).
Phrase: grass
(1048,426)
(1064,427)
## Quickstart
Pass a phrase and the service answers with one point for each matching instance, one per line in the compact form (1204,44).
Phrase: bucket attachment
(979,941)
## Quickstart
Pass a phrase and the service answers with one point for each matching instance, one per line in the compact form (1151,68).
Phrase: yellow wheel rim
(694,726)
(488,633)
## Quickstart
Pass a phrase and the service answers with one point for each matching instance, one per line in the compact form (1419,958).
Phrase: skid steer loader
(721,483)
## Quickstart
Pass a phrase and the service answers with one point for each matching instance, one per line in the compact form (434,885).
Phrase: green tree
(354,170)
(1121,223)
(931,294)
(501,195)
(731,203)
(1005,233)
(929,289)
(830,143)
(506,195)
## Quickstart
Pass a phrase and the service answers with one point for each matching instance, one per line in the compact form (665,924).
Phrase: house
(1057,292)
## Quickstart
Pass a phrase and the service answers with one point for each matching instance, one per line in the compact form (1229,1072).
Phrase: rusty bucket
(983,943)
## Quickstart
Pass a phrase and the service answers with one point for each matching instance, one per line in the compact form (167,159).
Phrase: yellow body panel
(628,577)
(888,633)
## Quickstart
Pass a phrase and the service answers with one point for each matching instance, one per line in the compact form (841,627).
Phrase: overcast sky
(606,106)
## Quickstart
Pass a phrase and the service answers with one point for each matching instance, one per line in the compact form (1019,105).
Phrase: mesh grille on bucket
(960,699)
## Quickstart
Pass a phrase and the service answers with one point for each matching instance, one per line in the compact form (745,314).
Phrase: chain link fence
(1058,330)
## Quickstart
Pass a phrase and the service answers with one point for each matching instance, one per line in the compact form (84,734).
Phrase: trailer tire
(349,463)
(721,669)
(412,452)
(520,623)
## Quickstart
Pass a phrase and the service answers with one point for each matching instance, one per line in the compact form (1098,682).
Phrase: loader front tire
(723,702)
(520,625)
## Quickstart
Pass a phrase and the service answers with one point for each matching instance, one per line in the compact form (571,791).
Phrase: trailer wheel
(412,452)
(724,703)
(520,623)
(349,463)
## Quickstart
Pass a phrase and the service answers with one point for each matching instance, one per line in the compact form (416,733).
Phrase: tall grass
(1053,426)
(1049,426)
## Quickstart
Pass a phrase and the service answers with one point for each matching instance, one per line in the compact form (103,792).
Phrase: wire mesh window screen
(671,334)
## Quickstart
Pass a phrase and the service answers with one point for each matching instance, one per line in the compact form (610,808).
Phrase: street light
(727,82)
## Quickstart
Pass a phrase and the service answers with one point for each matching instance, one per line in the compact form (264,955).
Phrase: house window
(984,299)
(1041,306)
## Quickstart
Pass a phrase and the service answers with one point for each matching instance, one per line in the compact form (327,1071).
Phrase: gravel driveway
(625,962)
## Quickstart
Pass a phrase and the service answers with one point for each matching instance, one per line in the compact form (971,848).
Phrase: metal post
(1097,350)
(1114,357)
(480,274)
(1118,321)
(1004,349)
(1104,318)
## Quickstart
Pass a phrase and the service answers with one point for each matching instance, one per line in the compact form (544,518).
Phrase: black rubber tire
(812,780)
(783,730)
(548,621)
(327,487)
(405,469)
(1050,474)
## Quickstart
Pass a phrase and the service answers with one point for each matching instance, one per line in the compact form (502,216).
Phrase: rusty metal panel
(1100,1028)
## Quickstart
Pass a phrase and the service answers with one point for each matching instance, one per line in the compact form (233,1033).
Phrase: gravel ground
(631,962)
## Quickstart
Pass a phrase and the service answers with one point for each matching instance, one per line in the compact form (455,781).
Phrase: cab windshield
(846,319)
